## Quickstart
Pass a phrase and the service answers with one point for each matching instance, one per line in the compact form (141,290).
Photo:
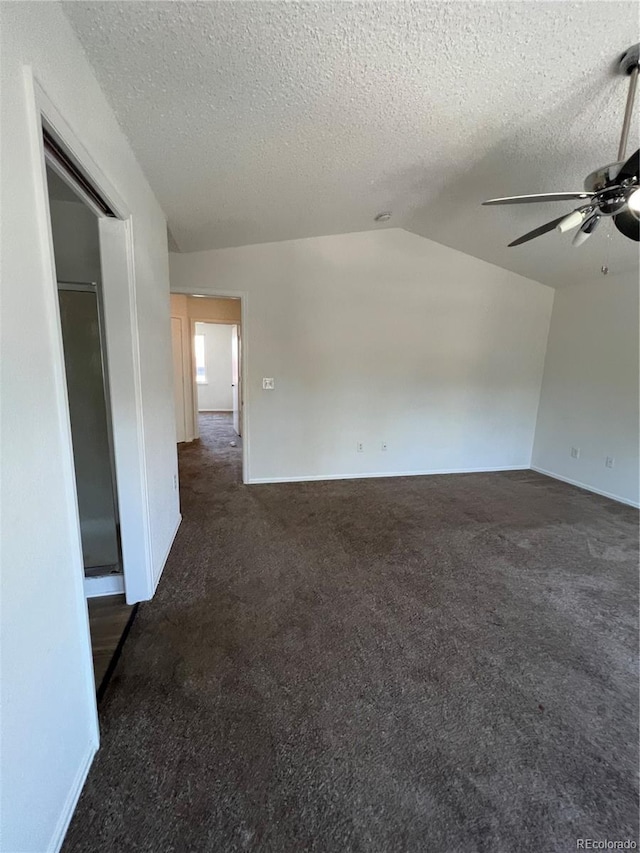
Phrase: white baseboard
(167,552)
(215,410)
(71,802)
(580,485)
(103,585)
(318,477)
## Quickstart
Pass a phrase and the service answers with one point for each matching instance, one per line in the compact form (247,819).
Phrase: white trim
(580,485)
(137,379)
(82,196)
(211,322)
(215,410)
(117,254)
(39,105)
(72,143)
(192,377)
(118,276)
(103,585)
(163,562)
(318,477)
(177,337)
(71,802)
(188,382)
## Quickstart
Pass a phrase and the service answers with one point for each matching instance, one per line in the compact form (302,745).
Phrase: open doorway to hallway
(207,365)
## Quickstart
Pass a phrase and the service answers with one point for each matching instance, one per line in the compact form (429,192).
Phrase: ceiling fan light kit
(610,191)
(571,221)
(586,230)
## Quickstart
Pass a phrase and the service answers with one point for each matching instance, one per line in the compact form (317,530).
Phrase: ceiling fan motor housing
(602,177)
(629,60)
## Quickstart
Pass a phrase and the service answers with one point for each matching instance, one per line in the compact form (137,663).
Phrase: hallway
(212,458)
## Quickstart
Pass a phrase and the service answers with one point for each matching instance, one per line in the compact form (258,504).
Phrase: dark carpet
(443,663)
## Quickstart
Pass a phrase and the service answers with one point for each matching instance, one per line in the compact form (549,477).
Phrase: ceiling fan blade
(531,199)
(627,224)
(630,169)
(538,232)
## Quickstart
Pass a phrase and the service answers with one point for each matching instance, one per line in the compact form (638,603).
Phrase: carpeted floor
(440,663)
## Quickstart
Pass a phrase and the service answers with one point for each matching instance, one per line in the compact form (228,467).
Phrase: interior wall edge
(69,808)
(589,400)
(588,488)
(162,563)
(536,422)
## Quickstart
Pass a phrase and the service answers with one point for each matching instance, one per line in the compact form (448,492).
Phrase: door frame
(192,378)
(236,356)
(183,375)
(243,296)
(122,351)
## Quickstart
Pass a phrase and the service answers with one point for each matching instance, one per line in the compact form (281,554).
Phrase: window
(201,374)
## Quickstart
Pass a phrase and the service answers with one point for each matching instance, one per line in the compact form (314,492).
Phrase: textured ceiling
(268,121)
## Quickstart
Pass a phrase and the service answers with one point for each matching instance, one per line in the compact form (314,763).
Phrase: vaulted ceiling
(264,121)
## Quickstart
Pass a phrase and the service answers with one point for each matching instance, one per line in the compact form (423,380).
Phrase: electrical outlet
(383,446)
(268,384)
(609,462)
(360,447)
(575,453)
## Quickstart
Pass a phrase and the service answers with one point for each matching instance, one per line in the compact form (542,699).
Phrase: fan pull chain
(604,269)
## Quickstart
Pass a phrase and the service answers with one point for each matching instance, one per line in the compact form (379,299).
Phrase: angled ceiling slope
(268,121)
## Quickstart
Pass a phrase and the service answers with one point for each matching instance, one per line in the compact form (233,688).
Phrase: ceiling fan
(612,190)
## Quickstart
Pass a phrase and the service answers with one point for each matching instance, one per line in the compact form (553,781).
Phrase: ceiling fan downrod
(629,65)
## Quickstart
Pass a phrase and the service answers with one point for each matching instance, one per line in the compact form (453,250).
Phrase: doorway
(76,246)
(90,234)
(89,410)
(206,336)
(217,358)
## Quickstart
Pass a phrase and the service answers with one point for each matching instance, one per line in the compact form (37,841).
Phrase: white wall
(216,393)
(380,336)
(49,724)
(589,396)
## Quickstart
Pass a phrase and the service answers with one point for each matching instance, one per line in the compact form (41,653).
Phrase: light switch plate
(268,384)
